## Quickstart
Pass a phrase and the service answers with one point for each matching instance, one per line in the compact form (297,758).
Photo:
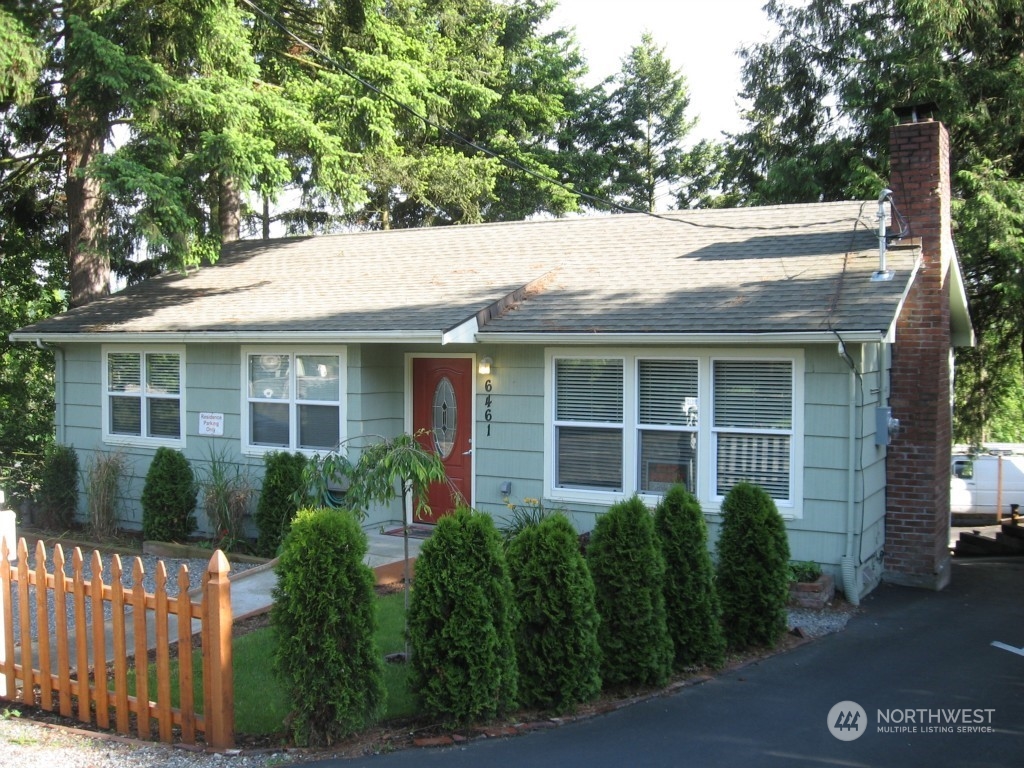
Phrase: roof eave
(689,339)
(235,337)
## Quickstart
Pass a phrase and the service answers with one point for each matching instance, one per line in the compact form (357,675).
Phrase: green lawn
(261,703)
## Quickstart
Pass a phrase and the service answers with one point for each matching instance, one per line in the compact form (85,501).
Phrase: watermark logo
(847,720)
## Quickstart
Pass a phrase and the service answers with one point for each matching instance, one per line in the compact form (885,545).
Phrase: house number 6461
(488,405)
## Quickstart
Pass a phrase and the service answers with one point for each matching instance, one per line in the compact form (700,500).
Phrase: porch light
(484,366)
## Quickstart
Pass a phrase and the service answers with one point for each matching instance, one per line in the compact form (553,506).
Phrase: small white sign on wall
(211,424)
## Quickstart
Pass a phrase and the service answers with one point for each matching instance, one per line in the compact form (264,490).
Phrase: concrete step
(1013,529)
(975,544)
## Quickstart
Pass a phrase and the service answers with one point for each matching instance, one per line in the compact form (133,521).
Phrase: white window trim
(259,450)
(141,440)
(555,422)
(707,469)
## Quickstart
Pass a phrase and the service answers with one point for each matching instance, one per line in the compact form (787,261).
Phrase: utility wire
(509,162)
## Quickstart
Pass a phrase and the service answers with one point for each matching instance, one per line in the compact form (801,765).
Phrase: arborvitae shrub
(169,497)
(324,618)
(753,568)
(556,636)
(461,622)
(692,610)
(276,507)
(628,571)
(58,489)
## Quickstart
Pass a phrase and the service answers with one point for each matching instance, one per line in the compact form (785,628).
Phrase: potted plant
(809,587)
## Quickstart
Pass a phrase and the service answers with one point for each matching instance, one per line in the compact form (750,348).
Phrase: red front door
(442,406)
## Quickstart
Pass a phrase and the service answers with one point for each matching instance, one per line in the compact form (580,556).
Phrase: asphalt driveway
(924,682)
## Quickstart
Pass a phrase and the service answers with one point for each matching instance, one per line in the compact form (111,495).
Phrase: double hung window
(667,424)
(293,400)
(589,423)
(143,400)
(753,429)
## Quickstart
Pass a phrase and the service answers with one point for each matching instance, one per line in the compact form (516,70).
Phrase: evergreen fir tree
(692,610)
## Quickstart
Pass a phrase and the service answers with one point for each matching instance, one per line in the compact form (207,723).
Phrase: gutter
(704,339)
(464,333)
(237,337)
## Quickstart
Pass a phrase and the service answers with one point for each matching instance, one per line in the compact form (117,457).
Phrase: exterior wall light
(484,366)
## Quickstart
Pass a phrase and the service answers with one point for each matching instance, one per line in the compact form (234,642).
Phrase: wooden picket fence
(80,684)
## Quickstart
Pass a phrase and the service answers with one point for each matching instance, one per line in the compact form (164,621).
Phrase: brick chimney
(918,460)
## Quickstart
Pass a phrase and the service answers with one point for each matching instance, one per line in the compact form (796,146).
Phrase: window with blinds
(625,421)
(588,423)
(144,391)
(753,424)
(667,421)
(294,400)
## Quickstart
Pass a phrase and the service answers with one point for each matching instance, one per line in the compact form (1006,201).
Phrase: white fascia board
(236,337)
(960,316)
(696,339)
(463,333)
(890,335)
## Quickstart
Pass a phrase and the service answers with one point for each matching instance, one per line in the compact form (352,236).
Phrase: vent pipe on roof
(882,274)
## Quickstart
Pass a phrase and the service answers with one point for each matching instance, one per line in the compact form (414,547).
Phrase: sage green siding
(509,443)
(510,447)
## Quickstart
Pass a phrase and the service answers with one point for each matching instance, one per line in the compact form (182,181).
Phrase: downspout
(847,564)
(61,404)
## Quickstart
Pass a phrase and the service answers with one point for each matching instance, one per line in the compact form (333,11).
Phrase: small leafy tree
(58,489)
(556,636)
(692,610)
(386,469)
(629,572)
(753,568)
(323,615)
(169,497)
(461,622)
(279,500)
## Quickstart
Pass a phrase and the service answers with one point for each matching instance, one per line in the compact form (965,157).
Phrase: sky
(700,39)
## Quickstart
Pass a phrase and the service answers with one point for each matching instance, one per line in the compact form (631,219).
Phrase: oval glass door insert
(444,420)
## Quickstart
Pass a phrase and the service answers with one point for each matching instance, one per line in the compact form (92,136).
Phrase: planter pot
(813,594)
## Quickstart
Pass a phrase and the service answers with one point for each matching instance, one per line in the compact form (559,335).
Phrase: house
(575,361)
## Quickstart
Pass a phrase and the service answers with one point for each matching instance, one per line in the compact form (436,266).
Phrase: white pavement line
(1010,648)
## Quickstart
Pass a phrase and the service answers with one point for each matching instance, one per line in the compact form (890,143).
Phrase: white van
(975,483)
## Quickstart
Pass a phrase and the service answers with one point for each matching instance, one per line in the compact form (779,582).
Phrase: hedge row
(536,624)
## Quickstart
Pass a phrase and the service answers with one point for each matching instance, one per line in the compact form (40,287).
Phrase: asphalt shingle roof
(795,268)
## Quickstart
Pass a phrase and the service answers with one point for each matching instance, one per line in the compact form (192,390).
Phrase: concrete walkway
(252,593)
(251,590)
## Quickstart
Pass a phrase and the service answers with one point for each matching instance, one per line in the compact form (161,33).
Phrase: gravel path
(196,569)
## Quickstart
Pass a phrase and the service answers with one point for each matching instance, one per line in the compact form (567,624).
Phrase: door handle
(467,453)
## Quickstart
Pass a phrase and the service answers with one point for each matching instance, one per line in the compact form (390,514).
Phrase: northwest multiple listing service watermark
(848,720)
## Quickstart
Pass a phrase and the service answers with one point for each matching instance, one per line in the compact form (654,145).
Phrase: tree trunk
(88,264)
(230,209)
(85,132)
